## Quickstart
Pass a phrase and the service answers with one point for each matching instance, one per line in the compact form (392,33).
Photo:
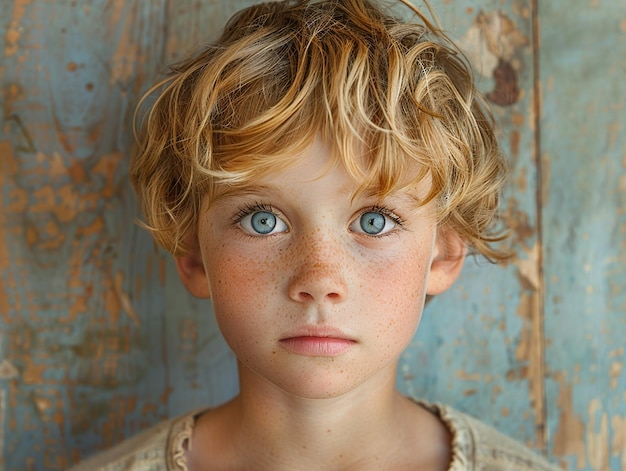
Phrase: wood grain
(584,145)
(98,338)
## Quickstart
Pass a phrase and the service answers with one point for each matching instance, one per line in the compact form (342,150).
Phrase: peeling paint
(569,438)
(517,220)
(127,55)
(124,299)
(529,352)
(73,316)
(597,437)
(8,370)
(492,43)
(615,372)
(467,376)
(528,268)
(15,28)
(6,152)
(3,408)
(546,176)
(618,447)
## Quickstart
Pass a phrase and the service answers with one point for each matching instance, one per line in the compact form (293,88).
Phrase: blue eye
(262,223)
(372,223)
(375,222)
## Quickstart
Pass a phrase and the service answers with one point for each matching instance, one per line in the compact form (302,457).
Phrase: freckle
(89,87)
(328,431)
(71,66)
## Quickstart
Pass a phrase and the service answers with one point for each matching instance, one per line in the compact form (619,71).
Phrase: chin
(325,378)
(319,391)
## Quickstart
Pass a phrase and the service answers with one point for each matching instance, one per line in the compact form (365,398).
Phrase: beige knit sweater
(475,447)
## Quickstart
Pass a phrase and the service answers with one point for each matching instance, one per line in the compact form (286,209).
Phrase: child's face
(313,291)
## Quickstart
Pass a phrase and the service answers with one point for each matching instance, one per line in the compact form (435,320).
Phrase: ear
(192,274)
(449,255)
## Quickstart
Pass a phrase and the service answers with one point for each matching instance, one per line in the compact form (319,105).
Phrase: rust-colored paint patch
(492,43)
(33,372)
(10,163)
(11,93)
(126,57)
(529,352)
(506,91)
(518,221)
(113,428)
(71,215)
(514,142)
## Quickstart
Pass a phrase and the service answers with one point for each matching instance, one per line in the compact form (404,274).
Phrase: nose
(319,277)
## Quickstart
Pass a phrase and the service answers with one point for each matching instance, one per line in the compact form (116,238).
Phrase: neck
(367,428)
(330,427)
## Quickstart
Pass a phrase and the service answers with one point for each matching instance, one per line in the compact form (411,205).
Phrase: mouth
(318,342)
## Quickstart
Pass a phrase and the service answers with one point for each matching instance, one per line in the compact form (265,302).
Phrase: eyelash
(390,213)
(253,208)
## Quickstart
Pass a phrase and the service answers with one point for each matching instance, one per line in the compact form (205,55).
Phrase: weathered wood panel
(88,353)
(98,338)
(583,141)
(479,346)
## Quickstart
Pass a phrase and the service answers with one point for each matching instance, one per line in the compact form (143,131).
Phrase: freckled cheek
(397,289)
(241,288)
(399,280)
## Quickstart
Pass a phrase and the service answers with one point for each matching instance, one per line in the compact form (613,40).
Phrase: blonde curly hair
(285,72)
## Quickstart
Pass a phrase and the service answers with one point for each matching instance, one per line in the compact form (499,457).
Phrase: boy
(318,172)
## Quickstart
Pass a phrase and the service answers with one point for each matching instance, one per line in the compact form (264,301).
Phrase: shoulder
(479,447)
(156,449)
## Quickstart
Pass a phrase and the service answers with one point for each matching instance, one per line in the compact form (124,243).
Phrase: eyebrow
(249,190)
(402,196)
(273,191)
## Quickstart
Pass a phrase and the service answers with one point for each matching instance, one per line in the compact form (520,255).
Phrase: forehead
(321,167)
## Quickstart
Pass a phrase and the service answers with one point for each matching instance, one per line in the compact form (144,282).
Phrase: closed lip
(318,341)
(318,331)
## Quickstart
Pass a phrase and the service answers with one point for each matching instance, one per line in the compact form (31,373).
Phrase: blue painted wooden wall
(98,339)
